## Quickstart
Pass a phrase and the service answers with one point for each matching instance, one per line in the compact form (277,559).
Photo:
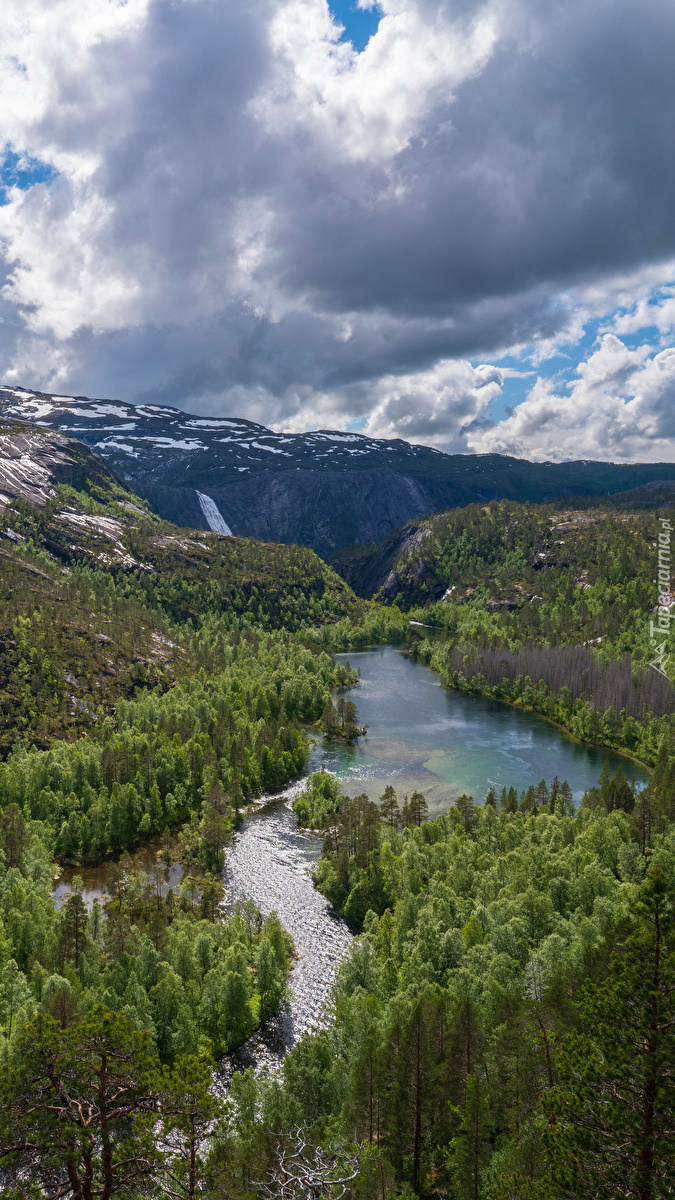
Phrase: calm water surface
(420,735)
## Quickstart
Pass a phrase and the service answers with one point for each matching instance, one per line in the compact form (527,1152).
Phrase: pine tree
(541,794)
(13,836)
(469,1149)
(466,809)
(389,807)
(419,809)
(555,792)
(78,1105)
(189,1126)
(612,1130)
(74,920)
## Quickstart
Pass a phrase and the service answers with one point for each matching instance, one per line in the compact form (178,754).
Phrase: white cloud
(61,283)
(649,312)
(250,216)
(368,106)
(620,408)
(435,407)
(48,75)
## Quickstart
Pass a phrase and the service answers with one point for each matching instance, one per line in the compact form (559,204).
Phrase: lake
(421,735)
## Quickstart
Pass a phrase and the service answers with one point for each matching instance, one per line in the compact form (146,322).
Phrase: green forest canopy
(483,980)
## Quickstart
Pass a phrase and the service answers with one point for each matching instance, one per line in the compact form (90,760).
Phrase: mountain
(101,599)
(326,489)
(35,461)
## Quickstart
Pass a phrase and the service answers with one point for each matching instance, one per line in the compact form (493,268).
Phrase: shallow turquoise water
(420,735)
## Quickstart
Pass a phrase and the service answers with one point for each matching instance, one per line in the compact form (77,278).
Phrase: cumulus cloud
(621,407)
(248,215)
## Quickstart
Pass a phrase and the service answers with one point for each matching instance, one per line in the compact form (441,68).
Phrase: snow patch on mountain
(272,449)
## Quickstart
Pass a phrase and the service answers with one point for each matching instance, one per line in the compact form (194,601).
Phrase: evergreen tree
(188,1128)
(419,809)
(389,807)
(469,1150)
(466,809)
(13,836)
(612,1117)
(542,794)
(74,922)
(76,1109)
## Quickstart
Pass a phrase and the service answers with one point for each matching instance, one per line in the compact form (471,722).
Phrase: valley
(392,938)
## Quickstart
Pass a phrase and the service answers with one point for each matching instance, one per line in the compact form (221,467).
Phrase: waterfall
(213,515)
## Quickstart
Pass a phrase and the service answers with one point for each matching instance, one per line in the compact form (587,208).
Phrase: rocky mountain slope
(34,461)
(99,597)
(326,489)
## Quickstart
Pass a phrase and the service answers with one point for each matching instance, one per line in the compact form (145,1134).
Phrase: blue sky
(359,24)
(22,171)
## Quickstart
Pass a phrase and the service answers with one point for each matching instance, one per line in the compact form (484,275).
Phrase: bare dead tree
(306,1172)
(617,683)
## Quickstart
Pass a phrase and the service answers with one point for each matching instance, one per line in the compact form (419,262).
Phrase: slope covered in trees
(100,598)
(494,1032)
(482,1023)
(544,607)
(502,1028)
(190,663)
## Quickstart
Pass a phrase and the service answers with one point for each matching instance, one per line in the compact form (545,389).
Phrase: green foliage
(318,801)
(524,574)
(86,1112)
(198,982)
(545,608)
(212,741)
(503,1025)
(339,721)
(99,598)
(621,731)
(612,1128)
(75,1100)
(482,998)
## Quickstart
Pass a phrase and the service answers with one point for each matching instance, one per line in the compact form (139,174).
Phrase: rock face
(325,489)
(367,568)
(33,461)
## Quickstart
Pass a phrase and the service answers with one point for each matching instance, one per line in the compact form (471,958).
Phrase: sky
(443,220)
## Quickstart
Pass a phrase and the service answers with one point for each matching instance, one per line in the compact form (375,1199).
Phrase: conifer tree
(419,809)
(541,793)
(466,809)
(469,1149)
(612,1130)
(389,807)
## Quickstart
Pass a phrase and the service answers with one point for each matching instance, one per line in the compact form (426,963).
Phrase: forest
(545,607)
(503,1026)
(210,742)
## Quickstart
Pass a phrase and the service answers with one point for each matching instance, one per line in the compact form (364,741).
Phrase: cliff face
(321,508)
(33,461)
(326,489)
(367,568)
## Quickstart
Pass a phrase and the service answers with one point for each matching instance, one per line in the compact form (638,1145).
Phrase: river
(419,736)
(271,861)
